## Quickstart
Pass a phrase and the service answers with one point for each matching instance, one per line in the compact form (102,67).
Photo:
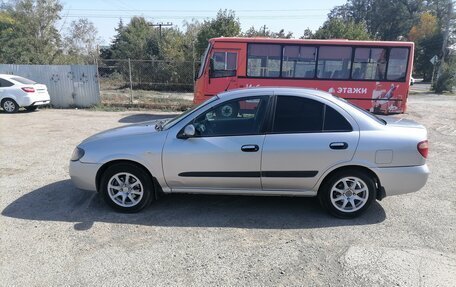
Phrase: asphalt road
(54,234)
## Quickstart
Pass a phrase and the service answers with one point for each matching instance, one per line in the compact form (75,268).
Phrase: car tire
(31,108)
(126,187)
(10,106)
(347,193)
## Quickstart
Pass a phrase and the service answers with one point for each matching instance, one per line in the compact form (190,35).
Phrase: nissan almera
(259,141)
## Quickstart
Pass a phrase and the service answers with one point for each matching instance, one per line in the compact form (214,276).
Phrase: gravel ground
(54,234)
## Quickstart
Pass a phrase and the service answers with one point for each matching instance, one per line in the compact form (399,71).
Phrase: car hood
(400,122)
(129,130)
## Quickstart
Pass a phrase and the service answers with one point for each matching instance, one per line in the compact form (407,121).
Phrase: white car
(16,92)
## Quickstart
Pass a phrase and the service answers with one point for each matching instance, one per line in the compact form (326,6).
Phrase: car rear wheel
(10,106)
(31,108)
(126,187)
(347,194)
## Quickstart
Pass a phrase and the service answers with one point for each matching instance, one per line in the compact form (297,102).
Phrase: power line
(167,11)
(192,17)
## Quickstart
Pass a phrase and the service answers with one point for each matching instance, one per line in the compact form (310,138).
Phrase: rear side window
(296,114)
(23,80)
(4,83)
(335,122)
(301,115)
(263,60)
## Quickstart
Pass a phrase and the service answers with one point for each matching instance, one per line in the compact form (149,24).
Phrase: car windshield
(23,80)
(177,119)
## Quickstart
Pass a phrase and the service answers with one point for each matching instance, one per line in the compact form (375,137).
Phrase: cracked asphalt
(54,234)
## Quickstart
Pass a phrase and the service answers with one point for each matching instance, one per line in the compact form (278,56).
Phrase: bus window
(299,61)
(369,64)
(334,62)
(397,64)
(223,64)
(263,60)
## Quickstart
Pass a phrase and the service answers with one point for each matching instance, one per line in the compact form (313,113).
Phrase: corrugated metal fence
(68,85)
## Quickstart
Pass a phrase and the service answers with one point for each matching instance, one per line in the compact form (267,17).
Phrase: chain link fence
(147,83)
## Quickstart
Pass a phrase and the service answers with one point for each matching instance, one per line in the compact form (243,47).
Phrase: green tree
(252,32)
(136,40)
(339,29)
(81,41)
(225,24)
(384,19)
(36,39)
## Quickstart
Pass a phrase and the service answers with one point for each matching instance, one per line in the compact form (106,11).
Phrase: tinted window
(296,114)
(335,122)
(397,64)
(237,117)
(5,83)
(23,80)
(369,64)
(263,60)
(299,61)
(334,62)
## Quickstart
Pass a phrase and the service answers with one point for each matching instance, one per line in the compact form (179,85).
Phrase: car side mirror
(188,132)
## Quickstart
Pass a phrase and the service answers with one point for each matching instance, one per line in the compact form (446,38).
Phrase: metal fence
(130,81)
(68,85)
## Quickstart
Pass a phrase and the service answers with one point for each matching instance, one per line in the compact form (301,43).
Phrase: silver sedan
(260,141)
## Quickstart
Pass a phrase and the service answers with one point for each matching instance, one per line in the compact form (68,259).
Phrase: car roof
(276,90)
(7,76)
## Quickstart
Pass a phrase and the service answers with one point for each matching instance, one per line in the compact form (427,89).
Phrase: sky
(293,15)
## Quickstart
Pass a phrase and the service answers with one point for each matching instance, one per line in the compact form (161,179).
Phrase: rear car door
(307,138)
(225,152)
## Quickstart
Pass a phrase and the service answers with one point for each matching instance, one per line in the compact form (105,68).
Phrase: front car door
(307,138)
(225,152)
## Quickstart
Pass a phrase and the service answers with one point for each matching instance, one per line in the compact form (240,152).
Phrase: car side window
(302,115)
(236,117)
(4,83)
(298,115)
(335,122)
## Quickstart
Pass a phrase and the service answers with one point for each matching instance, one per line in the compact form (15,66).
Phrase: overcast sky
(294,15)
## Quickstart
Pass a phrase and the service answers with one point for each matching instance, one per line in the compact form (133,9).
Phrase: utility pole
(160,25)
(445,38)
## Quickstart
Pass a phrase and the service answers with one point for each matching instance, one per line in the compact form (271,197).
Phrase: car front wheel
(10,106)
(347,194)
(126,187)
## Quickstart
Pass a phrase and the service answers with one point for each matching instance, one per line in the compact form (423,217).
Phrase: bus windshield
(203,60)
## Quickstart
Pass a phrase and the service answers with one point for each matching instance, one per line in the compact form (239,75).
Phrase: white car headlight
(78,153)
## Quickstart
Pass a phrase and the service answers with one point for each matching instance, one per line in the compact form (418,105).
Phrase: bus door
(223,66)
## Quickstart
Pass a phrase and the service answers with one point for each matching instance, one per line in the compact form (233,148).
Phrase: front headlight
(78,153)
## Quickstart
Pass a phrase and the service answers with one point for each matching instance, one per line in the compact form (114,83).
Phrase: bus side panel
(378,97)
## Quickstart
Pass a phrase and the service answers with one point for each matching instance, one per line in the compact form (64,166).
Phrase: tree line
(31,31)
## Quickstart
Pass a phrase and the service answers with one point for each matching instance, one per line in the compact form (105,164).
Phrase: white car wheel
(10,106)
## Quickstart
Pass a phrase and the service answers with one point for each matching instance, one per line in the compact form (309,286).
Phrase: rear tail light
(28,89)
(423,148)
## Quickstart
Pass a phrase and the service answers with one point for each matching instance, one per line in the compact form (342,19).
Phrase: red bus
(375,75)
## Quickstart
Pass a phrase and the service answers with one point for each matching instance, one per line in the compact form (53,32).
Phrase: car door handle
(250,148)
(338,145)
